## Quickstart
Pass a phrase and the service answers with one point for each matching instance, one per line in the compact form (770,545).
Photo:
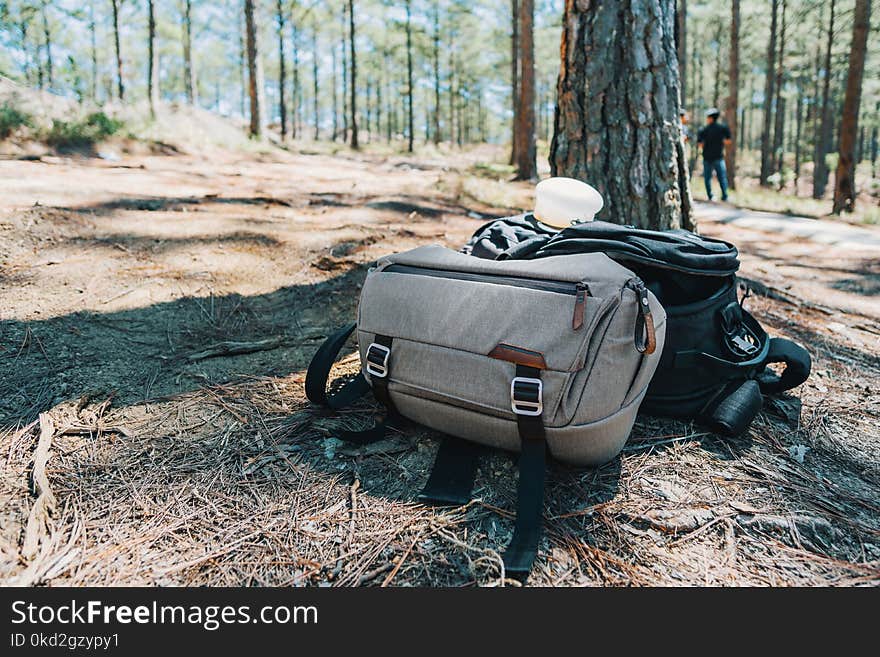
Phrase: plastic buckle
(744,345)
(377,360)
(526,396)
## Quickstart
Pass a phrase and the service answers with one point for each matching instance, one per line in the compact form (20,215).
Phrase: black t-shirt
(712,138)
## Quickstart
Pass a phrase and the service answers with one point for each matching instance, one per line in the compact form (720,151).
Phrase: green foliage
(82,133)
(11,119)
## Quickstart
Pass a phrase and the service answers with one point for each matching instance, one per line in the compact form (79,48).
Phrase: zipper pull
(645,336)
(580,303)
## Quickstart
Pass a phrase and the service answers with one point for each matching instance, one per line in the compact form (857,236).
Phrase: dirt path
(127,289)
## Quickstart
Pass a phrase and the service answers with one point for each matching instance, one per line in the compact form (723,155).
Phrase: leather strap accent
(519,356)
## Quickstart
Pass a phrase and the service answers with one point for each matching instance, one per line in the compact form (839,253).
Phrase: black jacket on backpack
(714,363)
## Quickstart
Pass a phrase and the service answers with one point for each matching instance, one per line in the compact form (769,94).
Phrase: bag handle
(316,386)
(797,367)
(319,372)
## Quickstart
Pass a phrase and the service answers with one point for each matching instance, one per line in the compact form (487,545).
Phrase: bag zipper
(580,291)
(645,337)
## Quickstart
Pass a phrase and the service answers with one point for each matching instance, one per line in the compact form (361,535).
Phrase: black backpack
(714,363)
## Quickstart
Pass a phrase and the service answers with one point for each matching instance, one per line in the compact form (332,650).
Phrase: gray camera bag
(524,355)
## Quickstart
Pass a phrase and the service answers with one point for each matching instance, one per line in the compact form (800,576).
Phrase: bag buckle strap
(526,395)
(377,360)
(743,345)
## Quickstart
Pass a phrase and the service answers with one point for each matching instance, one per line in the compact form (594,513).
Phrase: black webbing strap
(452,477)
(380,383)
(316,387)
(520,554)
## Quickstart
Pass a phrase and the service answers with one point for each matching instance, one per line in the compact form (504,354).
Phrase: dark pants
(720,170)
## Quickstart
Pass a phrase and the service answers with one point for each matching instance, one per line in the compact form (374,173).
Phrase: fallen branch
(230,348)
(38,519)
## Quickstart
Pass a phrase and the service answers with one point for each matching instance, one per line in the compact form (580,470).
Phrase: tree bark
(120,87)
(524,134)
(153,59)
(351,40)
(189,71)
(769,91)
(282,71)
(732,109)
(617,121)
(255,71)
(845,188)
(820,166)
(409,79)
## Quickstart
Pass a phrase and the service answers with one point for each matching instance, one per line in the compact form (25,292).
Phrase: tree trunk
(875,142)
(617,123)
(296,87)
(189,71)
(409,79)
(315,81)
(732,109)
(242,60)
(344,74)
(769,90)
(282,71)
(333,95)
(379,106)
(153,59)
(524,134)
(367,100)
(451,95)
(820,166)
(860,148)
(798,134)
(436,58)
(351,40)
(47,35)
(681,48)
(779,126)
(716,89)
(514,77)
(94,42)
(120,88)
(255,71)
(845,188)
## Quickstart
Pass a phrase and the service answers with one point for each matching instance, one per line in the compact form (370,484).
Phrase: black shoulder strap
(452,477)
(526,390)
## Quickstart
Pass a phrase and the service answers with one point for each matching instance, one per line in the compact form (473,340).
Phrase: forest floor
(157,314)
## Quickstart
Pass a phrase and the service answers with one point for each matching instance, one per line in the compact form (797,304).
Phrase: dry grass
(244,484)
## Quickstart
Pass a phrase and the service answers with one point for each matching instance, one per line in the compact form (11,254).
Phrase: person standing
(712,139)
